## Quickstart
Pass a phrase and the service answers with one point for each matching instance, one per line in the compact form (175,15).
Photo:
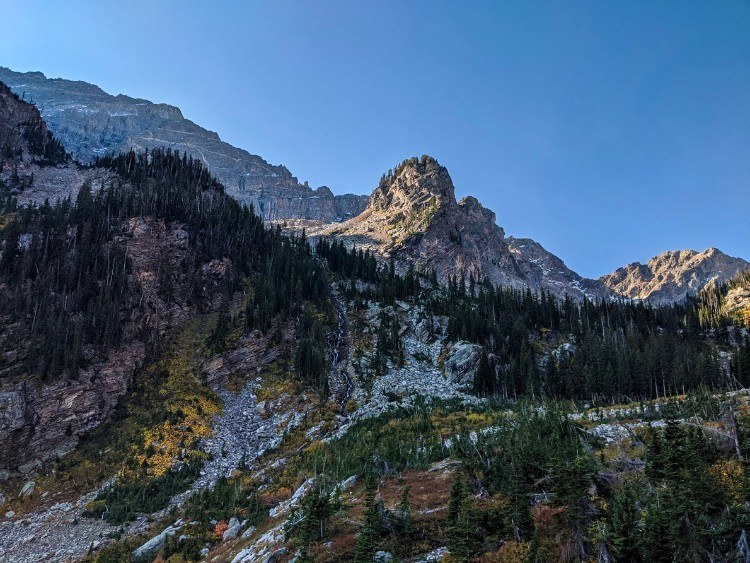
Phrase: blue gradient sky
(607,131)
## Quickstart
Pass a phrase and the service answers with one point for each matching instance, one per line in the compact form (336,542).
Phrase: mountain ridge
(92,123)
(414,217)
(252,361)
(673,275)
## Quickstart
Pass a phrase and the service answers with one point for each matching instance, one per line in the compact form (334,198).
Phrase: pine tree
(372,526)
(405,523)
(461,521)
(624,517)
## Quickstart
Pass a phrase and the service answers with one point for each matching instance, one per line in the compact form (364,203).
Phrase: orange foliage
(553,535)
(509,552)
(220,528)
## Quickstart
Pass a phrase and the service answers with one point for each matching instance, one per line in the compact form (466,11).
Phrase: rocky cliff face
(414,217)
(43,420)
(39,422)
(672,276)
(17,122)
(33,165)
(91,123)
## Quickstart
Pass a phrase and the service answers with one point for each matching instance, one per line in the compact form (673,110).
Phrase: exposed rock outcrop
(33,165)
(548,271)
(92,123)
(39,422)
(413,216)
(42,422)
(672,276)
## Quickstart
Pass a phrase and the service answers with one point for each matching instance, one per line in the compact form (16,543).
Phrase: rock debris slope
(92,123)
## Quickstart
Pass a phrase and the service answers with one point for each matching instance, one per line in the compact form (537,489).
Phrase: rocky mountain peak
(673,275)
(413,217)
(415,186)
(471,207)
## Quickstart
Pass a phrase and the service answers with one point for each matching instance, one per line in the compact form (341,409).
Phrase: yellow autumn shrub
(730,475)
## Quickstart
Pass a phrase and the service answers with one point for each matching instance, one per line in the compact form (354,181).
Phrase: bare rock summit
(413,216)
(672,276)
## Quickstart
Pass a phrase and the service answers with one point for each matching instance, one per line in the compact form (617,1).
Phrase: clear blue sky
(607,131)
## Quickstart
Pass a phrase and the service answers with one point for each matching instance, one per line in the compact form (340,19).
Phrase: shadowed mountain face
(33,164)
(672,276)
(92,123)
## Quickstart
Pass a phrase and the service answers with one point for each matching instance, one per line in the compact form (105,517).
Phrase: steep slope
(34,165)
(672,276)
(92,286)
(548,271)
(413,216)
(92,123)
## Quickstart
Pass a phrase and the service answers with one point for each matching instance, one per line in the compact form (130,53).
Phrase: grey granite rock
(27,490)
(149,549)
(92,123)
(233,530)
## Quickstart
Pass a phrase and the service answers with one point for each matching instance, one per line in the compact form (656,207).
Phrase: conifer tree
(367,540)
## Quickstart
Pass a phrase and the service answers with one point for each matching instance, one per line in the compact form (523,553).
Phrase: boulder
(462,362)
(233,530)
(149,549)
(27,490)
(276,555)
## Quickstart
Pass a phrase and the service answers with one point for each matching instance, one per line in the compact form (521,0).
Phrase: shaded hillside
(89,289)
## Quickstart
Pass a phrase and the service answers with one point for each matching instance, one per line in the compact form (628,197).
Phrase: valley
(184,379)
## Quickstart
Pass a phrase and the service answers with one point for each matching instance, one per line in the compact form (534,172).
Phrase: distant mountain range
(413,215)
(91,123)
(673,275)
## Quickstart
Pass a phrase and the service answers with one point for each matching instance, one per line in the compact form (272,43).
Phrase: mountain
(92,123)
(180,382)
(548,271)
(413,217)
(672,276)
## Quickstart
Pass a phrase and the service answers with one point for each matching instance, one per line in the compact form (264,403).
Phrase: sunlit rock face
(672,276)
(413,217)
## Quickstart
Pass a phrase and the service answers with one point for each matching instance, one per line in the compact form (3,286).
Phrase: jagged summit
(407,200)
(414,184)
(673,275)
(413,216)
